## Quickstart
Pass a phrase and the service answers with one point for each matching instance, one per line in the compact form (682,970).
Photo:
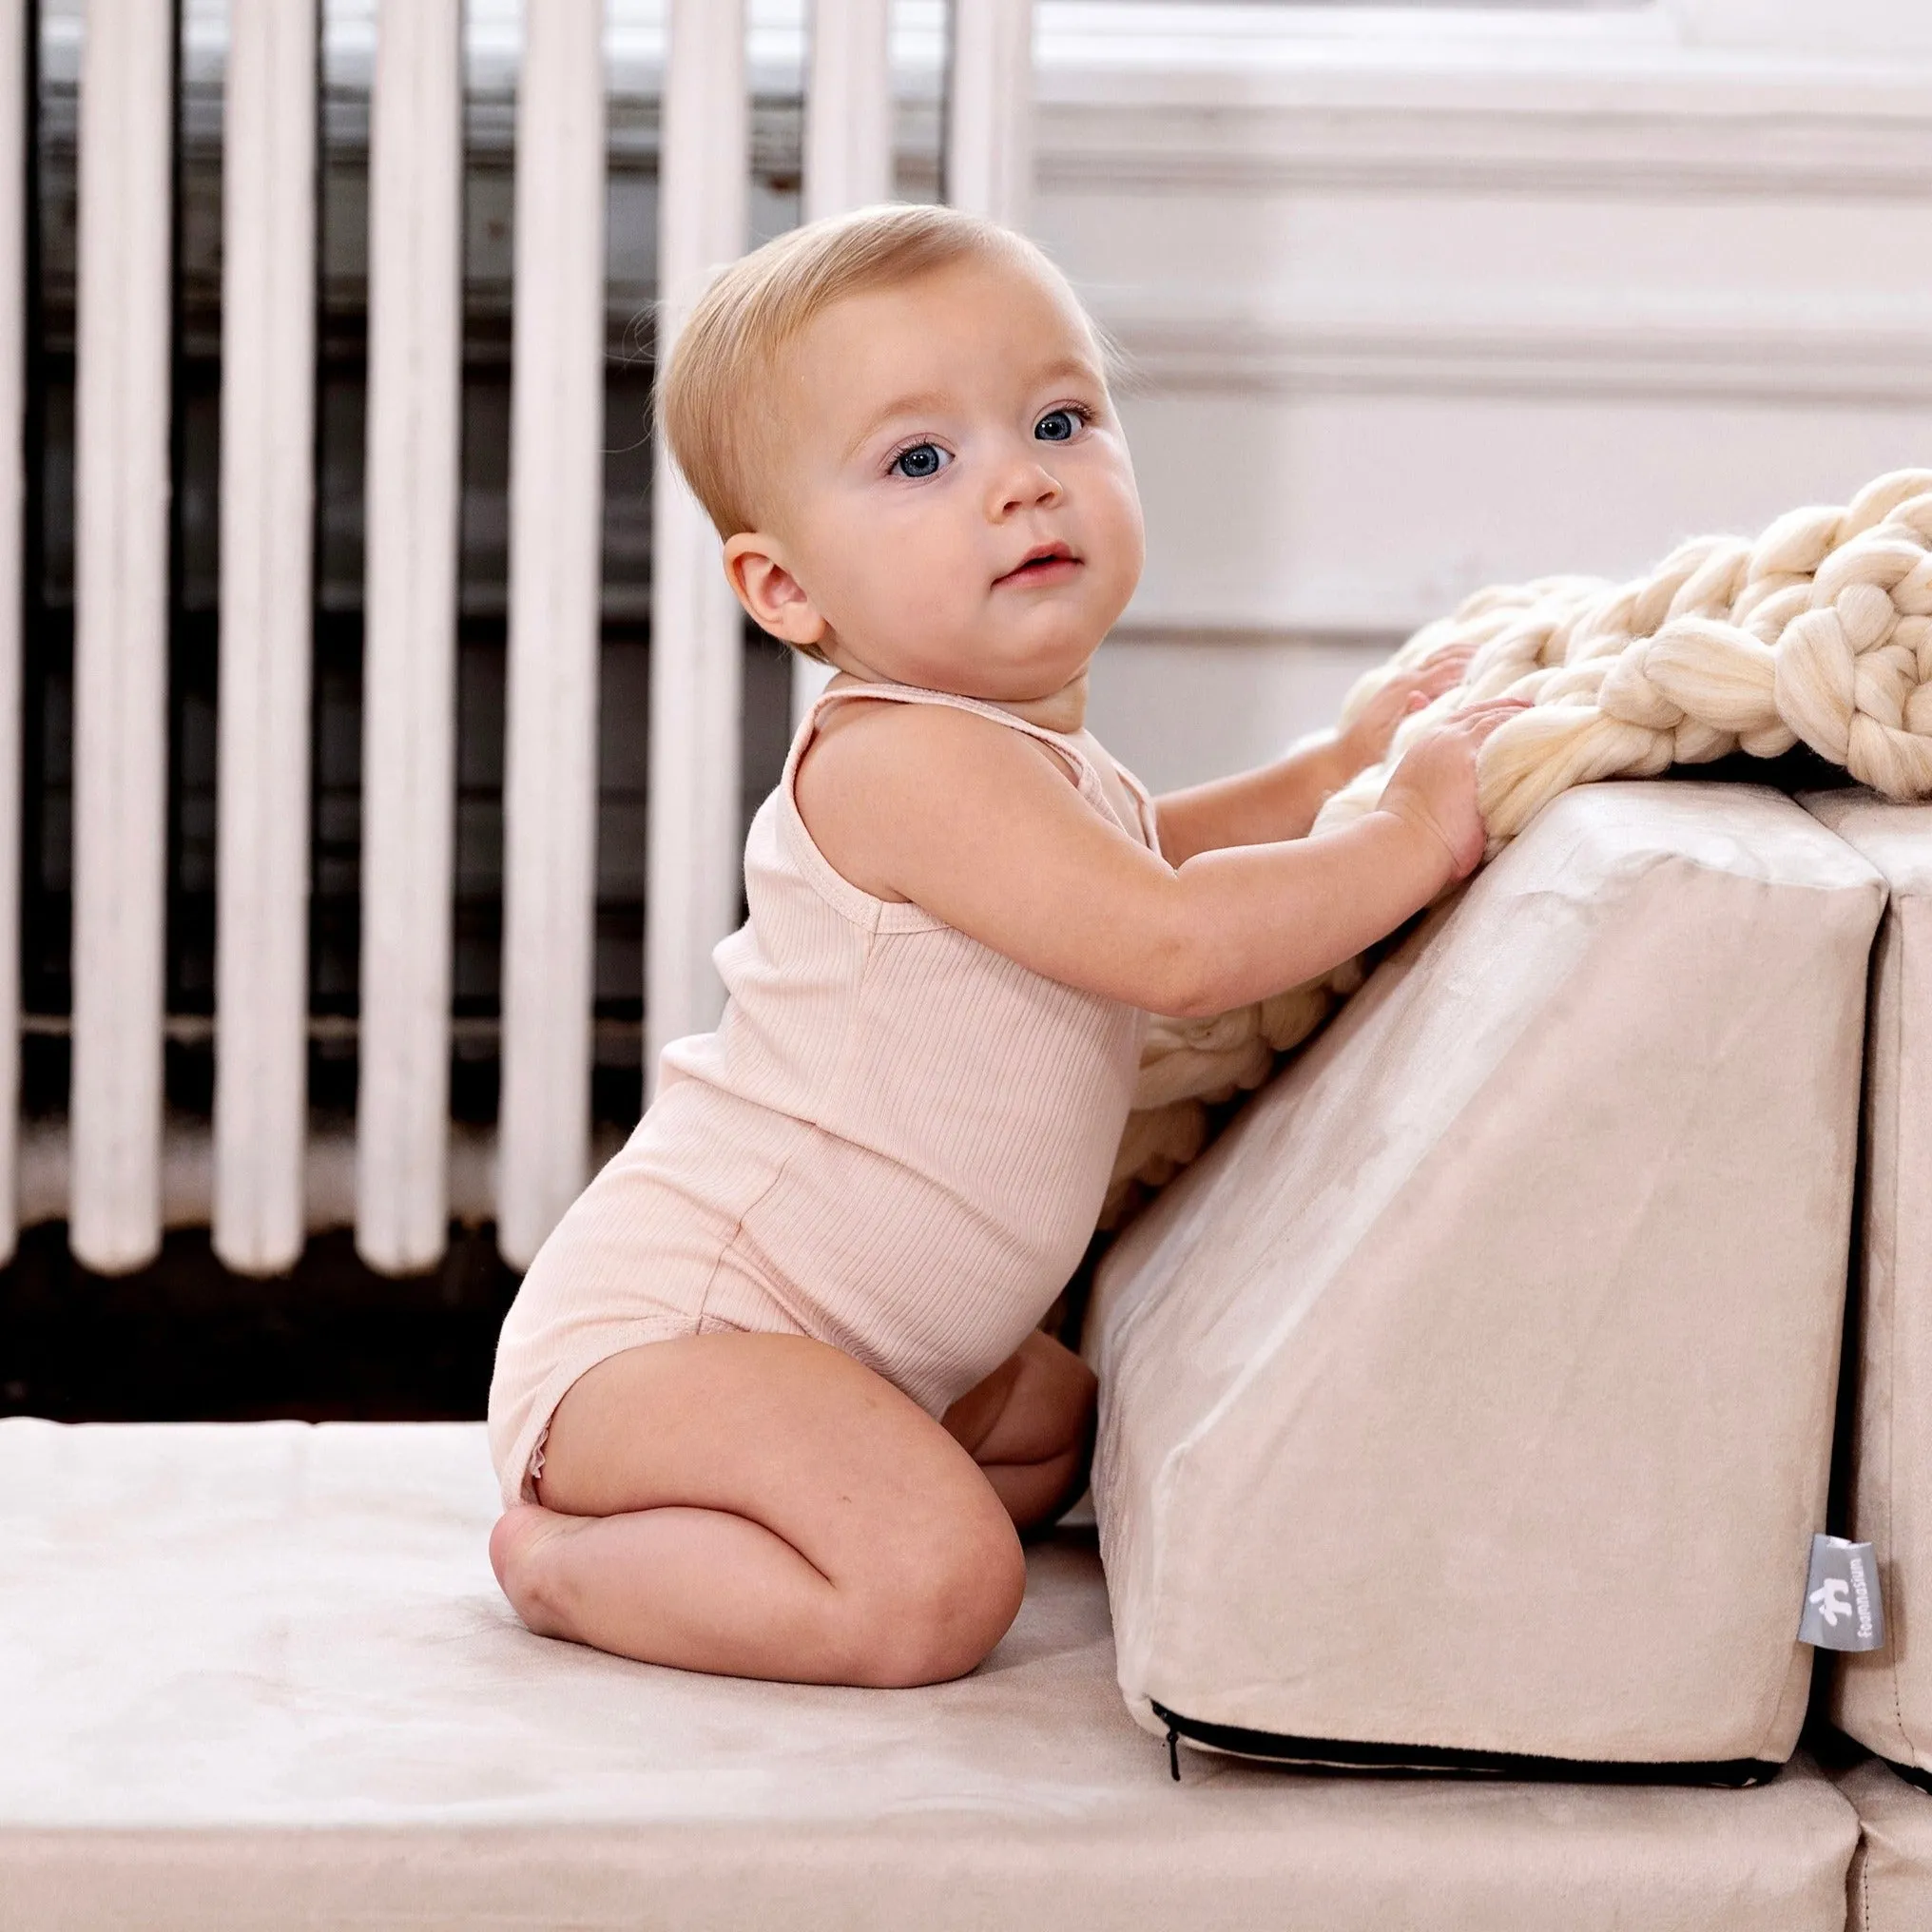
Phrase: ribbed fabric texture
(896,1141)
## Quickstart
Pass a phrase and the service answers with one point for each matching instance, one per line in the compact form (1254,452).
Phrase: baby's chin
(1005,650)
(1011,669)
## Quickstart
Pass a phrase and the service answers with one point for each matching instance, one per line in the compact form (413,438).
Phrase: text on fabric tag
(1843,1609)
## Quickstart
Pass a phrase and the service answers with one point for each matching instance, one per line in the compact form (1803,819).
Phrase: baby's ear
(775,599)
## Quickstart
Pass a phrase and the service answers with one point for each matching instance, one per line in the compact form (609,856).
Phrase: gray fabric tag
(1842,1610)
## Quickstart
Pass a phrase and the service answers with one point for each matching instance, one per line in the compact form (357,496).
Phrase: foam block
(1891,1873)
(257,1677)
(1473,1393)
(1884,1698)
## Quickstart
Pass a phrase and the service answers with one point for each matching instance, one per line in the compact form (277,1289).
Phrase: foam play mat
(1475,1391)
(260,1676)
(1884,1698)
(1891,1876)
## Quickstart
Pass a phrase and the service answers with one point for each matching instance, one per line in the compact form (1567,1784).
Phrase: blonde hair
(730,348)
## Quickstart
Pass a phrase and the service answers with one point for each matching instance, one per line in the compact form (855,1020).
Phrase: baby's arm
(1280,801)
(979,825)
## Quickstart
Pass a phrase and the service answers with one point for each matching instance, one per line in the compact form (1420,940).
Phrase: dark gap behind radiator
(185,1338)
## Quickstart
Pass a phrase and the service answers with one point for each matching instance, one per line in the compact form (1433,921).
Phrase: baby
(773,1399)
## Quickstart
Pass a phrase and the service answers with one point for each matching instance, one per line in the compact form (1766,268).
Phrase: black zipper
(1399,1760)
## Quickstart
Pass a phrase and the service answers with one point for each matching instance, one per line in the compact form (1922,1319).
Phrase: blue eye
(923,459)
(1056,426)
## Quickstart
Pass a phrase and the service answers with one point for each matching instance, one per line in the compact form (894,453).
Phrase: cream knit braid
(1819,632)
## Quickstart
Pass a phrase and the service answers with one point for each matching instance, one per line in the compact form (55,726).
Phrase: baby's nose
(1026,486)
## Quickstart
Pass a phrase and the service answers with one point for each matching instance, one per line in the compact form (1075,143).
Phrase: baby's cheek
(923,607)
(1122,531)
(1122,554)
(932,578)
(886,579)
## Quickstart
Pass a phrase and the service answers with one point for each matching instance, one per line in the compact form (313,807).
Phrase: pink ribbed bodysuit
(896,1141)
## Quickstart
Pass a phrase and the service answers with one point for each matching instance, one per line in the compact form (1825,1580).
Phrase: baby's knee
(942,1609)
(519,1555)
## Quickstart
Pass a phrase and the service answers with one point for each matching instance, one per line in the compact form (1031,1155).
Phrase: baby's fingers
(1474,724)
(1490,712)
(1442,671)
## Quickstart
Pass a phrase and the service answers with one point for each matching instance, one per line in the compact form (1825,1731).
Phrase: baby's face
(956,507)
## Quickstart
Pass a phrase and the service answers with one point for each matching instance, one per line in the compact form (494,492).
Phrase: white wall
(1422,301)
(1179,707)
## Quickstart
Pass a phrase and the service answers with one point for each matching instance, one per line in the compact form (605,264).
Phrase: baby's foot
(523,1552)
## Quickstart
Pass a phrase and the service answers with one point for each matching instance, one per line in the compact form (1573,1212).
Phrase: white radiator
(116,1167)
(1414,298)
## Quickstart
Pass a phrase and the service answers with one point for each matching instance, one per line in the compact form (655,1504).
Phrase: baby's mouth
(1050,563)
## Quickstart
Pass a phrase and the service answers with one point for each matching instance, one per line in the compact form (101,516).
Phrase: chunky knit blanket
(1818,632)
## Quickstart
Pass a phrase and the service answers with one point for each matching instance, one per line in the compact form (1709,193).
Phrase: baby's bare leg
(1030,1427)
(761,1506)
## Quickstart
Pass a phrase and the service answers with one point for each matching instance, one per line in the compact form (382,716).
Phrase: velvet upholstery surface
(1475,1389)
(1884,1698)
(258,1676)
(1891,1872)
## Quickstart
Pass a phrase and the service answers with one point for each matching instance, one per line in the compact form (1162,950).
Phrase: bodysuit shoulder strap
(1087,774)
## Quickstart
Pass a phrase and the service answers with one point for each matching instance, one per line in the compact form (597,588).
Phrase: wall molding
(1525,140)
(1555,355)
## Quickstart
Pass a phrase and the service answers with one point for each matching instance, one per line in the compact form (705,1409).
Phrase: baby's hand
(1366,741)
(1433,787)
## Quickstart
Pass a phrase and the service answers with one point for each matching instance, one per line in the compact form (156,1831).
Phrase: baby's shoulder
(875,746)
(883,783)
